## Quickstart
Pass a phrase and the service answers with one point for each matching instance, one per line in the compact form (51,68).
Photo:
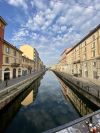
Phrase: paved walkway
(15,81)
(91,86)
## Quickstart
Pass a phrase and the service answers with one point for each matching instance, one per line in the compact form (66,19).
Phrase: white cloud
(18,3)
(57,25)
(40,4)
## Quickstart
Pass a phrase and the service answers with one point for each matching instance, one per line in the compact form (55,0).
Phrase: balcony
(15,64)
(98,57)
(29,67)
(77,61)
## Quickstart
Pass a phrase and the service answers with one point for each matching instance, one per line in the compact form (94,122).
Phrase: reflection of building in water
(32,95)
(80,104)
(11,109)
(28,100)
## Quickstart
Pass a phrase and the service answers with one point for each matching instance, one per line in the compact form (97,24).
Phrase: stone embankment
(10,93)
(85,87)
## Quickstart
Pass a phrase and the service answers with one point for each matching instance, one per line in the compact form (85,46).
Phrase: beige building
(84,58)
(27,65)
(11,65)
(10,57)
(16,62)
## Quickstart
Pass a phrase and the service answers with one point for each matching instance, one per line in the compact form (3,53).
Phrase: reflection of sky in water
(49,110)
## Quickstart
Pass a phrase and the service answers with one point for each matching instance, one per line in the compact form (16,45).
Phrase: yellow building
(28,51)
(32,54)
(84,58)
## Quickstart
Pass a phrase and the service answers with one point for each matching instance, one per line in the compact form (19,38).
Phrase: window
(7,50)
(93,45)
(14,52)
(93,53)
(85,49)
(85,43)
(84,56)
(14,60)
(6,59)
(85,64)
(93,37)
(94,64)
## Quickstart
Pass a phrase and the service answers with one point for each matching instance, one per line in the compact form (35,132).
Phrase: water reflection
(28,100)
(9,112)
(50,109)
(82,105)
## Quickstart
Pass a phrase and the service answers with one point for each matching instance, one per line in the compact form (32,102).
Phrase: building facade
(27,65)
(2,28)
(32,54)
(15,62)
(11,65)
(83,59)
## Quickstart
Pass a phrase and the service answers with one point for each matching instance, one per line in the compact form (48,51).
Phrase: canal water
(42,107)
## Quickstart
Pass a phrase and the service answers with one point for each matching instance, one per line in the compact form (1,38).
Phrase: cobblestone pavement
(15,80)
(83,127)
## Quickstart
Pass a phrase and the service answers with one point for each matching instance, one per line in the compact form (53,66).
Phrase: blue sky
(49,25)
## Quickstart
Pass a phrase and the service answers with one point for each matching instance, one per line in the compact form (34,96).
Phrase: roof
(66,51)
(12,46)
(3,21)
(23,56)
(88,35)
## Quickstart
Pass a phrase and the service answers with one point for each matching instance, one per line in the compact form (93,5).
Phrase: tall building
(2,28)
(32,54)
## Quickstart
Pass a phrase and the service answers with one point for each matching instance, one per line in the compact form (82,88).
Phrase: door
(7,75)
(14,73)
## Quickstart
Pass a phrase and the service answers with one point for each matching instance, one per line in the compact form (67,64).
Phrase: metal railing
(87,86)
(83,119)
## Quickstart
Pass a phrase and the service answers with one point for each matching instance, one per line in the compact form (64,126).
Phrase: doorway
(14,73)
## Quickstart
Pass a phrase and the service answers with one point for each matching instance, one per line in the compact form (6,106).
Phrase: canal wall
(80,103)
(9,111)
(10,93)
(90,92)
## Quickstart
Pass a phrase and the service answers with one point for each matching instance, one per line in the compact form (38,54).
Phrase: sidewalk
(15,80)
(90,86)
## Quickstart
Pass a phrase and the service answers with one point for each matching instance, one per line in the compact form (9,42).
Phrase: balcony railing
(29,67)
(15,64)
(77,61)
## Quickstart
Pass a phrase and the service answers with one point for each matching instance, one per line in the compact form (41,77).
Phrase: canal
(41,107)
